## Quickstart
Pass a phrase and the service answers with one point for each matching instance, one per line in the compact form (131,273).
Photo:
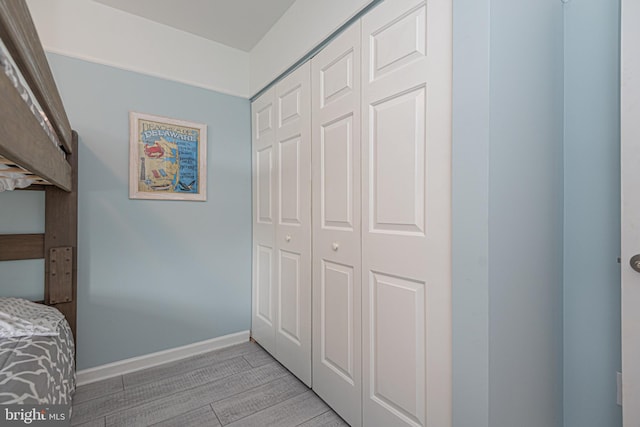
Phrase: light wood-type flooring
(240,385)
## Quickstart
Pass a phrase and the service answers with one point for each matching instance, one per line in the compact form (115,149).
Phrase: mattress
(38,369)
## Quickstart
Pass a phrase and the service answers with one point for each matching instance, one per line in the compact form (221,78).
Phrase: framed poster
(167,158)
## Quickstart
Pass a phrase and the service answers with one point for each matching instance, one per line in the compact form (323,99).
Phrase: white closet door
(336,230)
(263,318)
(293,230)
(406,271)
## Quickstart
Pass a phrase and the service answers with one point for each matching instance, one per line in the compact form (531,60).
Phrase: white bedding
(13,180)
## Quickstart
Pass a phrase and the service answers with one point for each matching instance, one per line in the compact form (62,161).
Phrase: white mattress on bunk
(13,180)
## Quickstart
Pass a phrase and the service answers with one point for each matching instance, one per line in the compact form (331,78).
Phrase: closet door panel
(398,166)
(406,255)
(336,169)
(263,319)
(264,186)
(397,334)
(336,232)
(264,284)
(290,279)
(336,308)
(293,230)
(290,208)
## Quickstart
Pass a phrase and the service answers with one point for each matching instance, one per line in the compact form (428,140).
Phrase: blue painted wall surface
(525,214)
(592,213)
(507,213)
(156,274)
(22,212)
(470,213)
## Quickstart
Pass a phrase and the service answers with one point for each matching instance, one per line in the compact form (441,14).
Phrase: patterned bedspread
(38,369)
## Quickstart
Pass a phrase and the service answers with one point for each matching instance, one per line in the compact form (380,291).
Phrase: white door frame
(630,195)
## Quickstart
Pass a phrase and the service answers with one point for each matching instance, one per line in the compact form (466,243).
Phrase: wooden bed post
(61,244)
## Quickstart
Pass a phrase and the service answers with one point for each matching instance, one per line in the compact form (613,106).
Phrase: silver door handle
(335,246)
(635,262)
(288,237)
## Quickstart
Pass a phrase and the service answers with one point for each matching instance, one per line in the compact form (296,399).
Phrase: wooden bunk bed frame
(25,144)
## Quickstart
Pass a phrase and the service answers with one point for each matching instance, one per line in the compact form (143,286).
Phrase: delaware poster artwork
(167,158)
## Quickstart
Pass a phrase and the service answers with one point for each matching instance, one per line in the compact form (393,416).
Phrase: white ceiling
(236,23)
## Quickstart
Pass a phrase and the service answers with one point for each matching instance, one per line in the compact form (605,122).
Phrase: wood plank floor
(236,386)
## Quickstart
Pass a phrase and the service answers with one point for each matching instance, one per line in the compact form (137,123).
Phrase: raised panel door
(293,229)
(337,369)
(265,209)
(406,189)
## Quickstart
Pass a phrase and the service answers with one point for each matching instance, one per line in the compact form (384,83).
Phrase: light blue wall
(592,213)
(470,210)
(553,300)
(508,205)
(22,212)
(525,214)
(156,274)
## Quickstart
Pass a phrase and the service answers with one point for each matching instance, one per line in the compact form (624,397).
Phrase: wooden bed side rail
(15,247)
(24,141)
(20,36)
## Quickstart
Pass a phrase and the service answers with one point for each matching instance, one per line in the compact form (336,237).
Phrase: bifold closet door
(406,245)
(293,231)
(281,312)
(335,115)
(263,312)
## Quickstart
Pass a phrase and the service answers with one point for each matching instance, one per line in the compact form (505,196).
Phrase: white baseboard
(125,366)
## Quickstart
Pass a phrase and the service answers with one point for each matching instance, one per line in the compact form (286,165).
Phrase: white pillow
(20,318)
